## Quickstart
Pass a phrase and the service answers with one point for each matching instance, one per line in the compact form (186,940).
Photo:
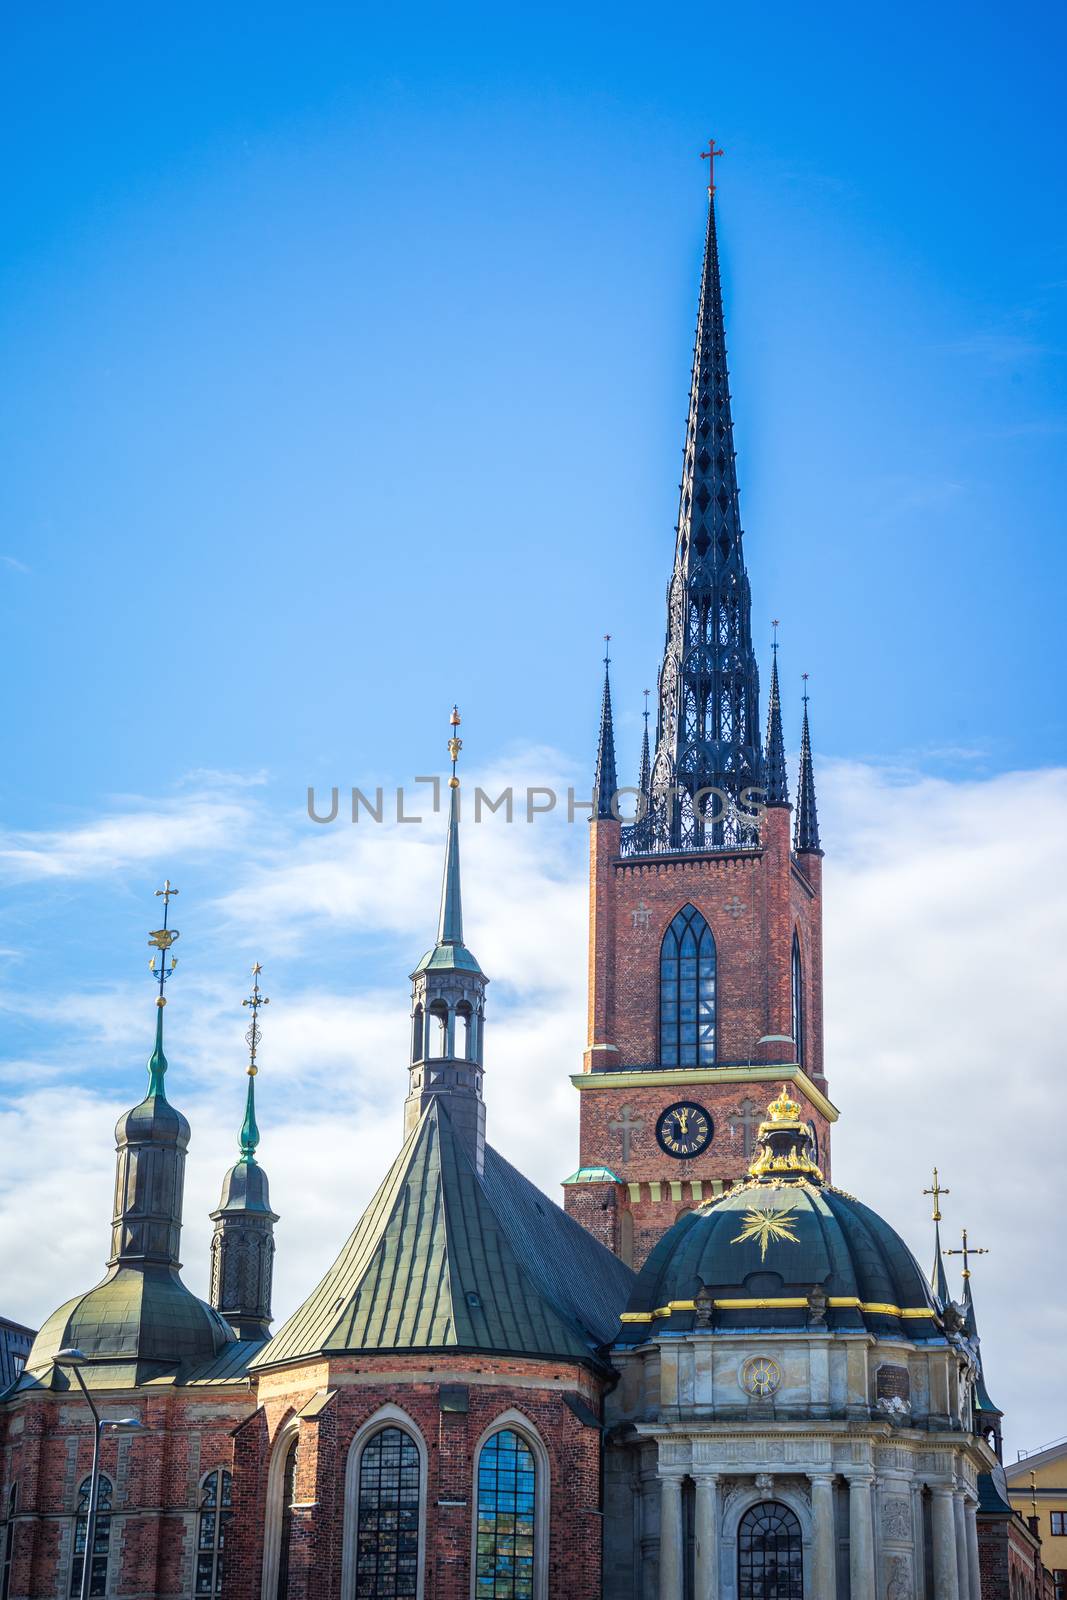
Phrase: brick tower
(705,913)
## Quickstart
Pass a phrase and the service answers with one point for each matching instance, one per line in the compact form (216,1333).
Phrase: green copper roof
(592,1175)
(444,1260)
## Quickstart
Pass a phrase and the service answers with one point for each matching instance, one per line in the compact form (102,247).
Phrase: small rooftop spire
(161,940)
(250,1130)
(938,1277)
(450,922)
(605,783)
(806,832)
(644,778)
(777,781)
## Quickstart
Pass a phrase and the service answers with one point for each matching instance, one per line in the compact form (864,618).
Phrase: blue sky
(345,364)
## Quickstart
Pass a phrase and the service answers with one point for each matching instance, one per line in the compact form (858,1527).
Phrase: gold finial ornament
(937,1191)
(785,1108)
(161,939)
(775,1152)
(455,745)
(254,1002)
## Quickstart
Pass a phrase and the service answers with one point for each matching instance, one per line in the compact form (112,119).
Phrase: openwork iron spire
(806,832)
(605,782)
(776,779)
(708,733)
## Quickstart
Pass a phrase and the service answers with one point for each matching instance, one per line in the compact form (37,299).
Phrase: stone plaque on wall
(893,1383)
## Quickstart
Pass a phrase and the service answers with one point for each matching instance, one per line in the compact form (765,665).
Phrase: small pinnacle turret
(605,782)
(938,1278)
(777,781)
(806,831)
(448,1003)
(242,1249)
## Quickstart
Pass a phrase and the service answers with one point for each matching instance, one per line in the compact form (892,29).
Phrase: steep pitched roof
(442,1260)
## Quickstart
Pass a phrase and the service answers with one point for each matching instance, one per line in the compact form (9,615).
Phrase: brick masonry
(754,902)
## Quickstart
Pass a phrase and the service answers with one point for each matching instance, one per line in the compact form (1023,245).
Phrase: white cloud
(196,827)
(946,922)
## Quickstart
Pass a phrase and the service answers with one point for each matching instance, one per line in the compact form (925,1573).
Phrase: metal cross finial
(709,155)
(805,696)
(455,745)
(646,693)
(607,649)
(774,640)
(161,940)
(937,1191)
(967,1251)
(254,1001)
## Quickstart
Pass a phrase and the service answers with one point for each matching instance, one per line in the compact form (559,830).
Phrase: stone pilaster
(706,1564)
(860,1538)
(824,1546)
(671,1553)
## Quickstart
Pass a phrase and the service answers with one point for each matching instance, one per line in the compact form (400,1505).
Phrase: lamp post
(75,1360)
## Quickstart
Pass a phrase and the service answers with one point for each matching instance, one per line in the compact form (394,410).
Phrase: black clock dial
(684,1129)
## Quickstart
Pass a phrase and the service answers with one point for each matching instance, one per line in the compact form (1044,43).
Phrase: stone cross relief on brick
(627,1126)
(642,916)
(748,1118)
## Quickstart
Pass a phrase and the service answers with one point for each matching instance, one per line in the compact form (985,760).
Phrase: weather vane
(646,693)
(607,649)
(967,1251)
(254,1001)
(162,939)
(937,1191)
(455,745)
(709,155)
(805,696)
(774,641)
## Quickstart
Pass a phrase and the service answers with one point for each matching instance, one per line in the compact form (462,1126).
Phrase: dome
(783,1250)
(137,1315)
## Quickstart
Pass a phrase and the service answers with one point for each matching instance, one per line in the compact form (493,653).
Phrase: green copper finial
(161,940)
(250,1128)
(450,924)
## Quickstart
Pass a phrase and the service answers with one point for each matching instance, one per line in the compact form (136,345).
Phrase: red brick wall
(361,1387)
(753,904)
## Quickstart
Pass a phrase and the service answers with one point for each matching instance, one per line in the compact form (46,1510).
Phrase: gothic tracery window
(387,1538)
(216,1496)
(507,1510)
(770,1554)
(687,992)
(101,1539)
(798,1001)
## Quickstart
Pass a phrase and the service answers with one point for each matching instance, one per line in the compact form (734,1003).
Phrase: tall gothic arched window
(9,1540)
(101,1539)
(507,1513)
(687,992)
(285,1539)
(770,1554)
(798,1000)
(387,1538)
(216,1498)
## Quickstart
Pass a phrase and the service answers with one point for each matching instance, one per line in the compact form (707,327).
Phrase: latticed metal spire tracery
(708,732)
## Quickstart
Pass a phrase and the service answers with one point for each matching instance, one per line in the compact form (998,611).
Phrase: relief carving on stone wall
(898,1578)
(896,1519)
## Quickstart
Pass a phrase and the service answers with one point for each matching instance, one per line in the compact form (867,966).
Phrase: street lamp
(75,1360)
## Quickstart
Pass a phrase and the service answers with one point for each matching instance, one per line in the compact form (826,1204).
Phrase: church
(708,1375)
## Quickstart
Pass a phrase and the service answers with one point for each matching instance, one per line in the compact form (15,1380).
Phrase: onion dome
(783,1250)
(140,1322)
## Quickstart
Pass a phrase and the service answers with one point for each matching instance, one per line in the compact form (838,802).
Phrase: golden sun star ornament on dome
(767,1226)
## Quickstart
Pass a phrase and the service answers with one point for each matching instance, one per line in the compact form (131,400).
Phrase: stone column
(972,1550)
(946,1567)
(861,1539)
(706,1575)
(963,1560)
(824,1550)
(671,1554)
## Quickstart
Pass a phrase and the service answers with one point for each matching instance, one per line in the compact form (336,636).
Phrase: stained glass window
(101,1540)
(387,1555)
(507,1495)
(687,992)
(770,1554)
(798,1001)
(216,1498)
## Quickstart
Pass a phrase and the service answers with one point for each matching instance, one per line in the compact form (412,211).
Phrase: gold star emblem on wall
(767,1226)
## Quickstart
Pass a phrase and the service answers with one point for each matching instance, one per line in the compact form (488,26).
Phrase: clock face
(684,1129)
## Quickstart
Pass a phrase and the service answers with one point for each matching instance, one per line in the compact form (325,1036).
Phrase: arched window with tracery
(285,1538)
(507,1513)
(687,992)
(216,1499)
(387,1536)
(798,1000)
(101,1539)
(770,1554)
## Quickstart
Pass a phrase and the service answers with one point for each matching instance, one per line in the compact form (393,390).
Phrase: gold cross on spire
(455,745)
(967,1251)
(254,1001)
(709,155)
(161,940)
(937,1191)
